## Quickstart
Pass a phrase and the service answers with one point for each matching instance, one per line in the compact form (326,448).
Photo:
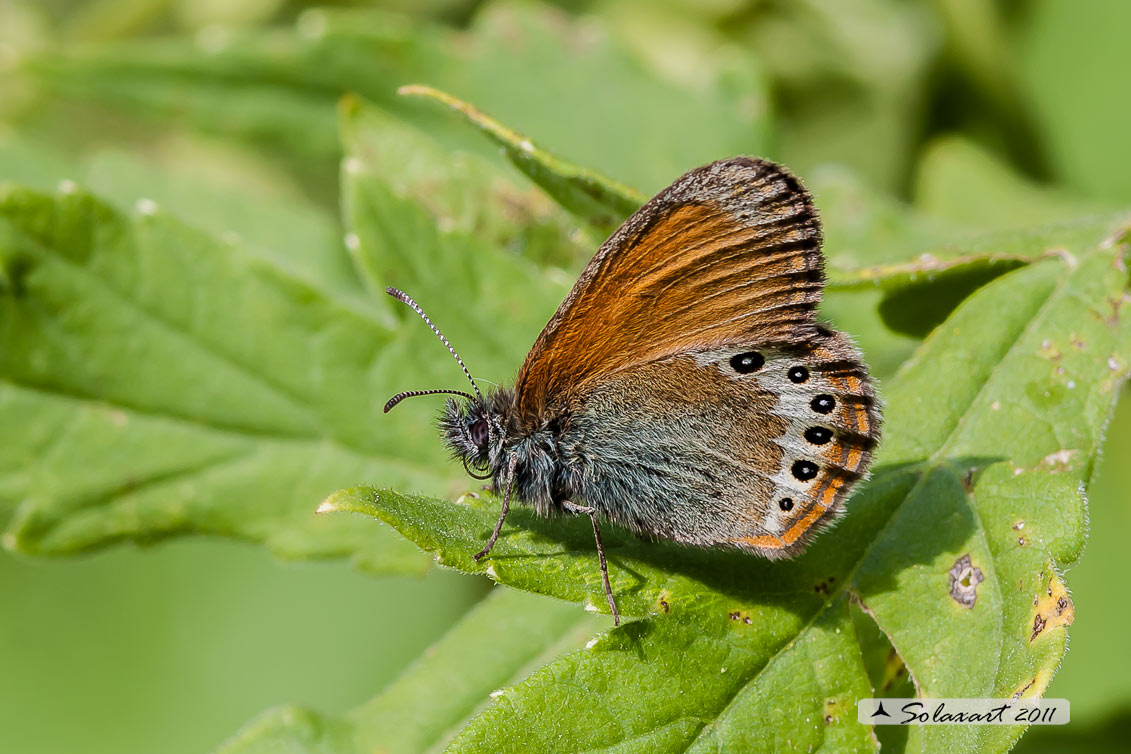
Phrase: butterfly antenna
(413,393)
(403,297)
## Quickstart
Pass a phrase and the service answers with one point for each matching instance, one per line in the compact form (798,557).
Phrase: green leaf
(969,189)
(228,193)
(596,199)
(493,646)
(463,191)
(526,63)
(486,298)
(887,674)
(213,186)
(167,382)
(960,181)
(240,433)
(851,80)
(1069,64)
(864,228)
(919,295)
(1095,693)
(666,686)
(991,432)
(1023,415)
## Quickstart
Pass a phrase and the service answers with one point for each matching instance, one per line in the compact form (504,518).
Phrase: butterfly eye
(479,433)
(745,363)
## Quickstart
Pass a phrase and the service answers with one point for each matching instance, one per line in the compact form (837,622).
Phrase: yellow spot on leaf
(1052,608)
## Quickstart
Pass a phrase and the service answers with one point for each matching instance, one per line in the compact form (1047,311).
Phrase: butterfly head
(473,427)
(475,431)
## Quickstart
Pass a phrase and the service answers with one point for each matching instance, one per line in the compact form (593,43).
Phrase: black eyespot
(745,363)
(479,432)
(804,470)
(786,503)
(823,404)
(797,375)
(818,435)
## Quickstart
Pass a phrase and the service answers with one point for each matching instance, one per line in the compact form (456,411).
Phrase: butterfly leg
(592,513)
(503,513)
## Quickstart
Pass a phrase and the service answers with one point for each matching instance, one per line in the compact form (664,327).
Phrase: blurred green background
(207,104)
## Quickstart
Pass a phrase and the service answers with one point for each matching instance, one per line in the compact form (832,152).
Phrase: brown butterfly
(684,389)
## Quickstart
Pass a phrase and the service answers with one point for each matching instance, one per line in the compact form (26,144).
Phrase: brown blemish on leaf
(963,580)
(1052,608)
(664,602)
(822,588)
(1034,687)
(894,670)
(830,711)
(1022,689)
(1076,342)
(1019,525)
(738,615)
(1116,304)
(1022,541)
(1049,351)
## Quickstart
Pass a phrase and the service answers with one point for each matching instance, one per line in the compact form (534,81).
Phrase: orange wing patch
(728,254)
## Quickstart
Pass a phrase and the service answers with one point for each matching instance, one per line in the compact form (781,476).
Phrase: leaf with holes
(954,547)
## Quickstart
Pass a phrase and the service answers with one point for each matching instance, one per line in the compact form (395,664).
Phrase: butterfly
(684,390)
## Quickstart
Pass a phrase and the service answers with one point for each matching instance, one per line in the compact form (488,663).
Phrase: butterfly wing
(690,449)
(639,363)
(729,253)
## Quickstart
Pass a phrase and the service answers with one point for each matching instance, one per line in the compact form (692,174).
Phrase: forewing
(728,254)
